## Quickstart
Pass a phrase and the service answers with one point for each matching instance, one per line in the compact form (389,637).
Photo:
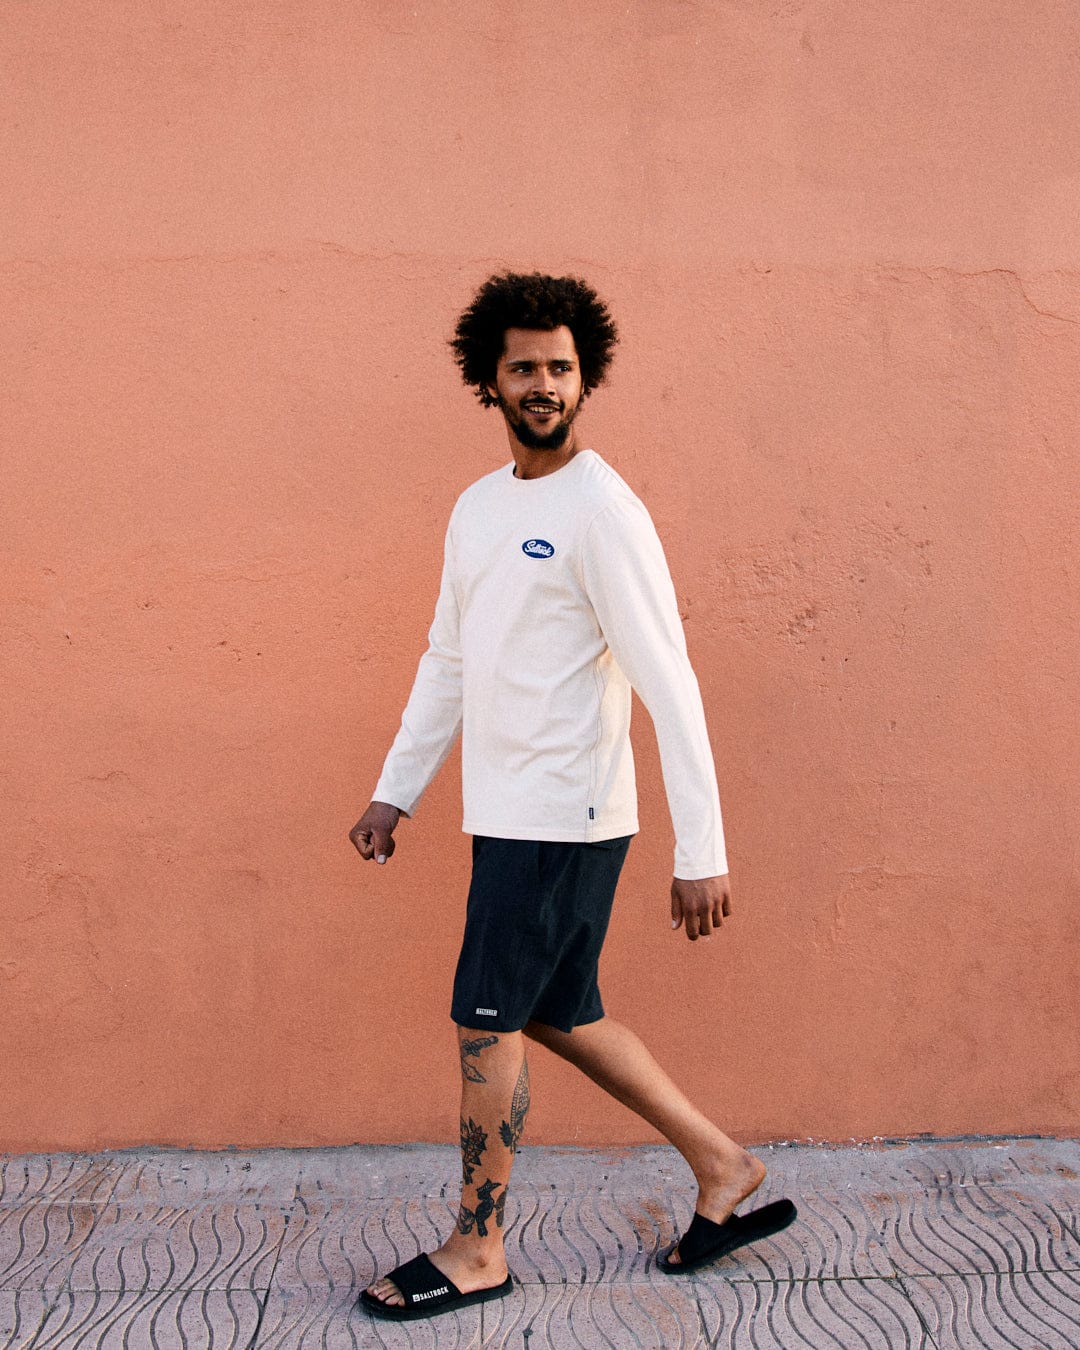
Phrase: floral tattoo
(473,1144)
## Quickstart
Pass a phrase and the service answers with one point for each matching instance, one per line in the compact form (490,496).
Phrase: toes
(386,1291)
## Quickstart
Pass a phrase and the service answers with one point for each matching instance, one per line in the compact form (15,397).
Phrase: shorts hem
(503,1025)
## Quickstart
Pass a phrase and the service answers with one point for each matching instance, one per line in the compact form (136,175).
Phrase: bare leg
(494,1104)
(615,1059)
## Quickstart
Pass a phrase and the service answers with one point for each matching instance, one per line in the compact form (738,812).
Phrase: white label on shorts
(487,1012)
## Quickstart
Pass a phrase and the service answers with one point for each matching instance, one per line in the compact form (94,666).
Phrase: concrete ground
(946,1245)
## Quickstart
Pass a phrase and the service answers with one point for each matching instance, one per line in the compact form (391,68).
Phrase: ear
(492,389)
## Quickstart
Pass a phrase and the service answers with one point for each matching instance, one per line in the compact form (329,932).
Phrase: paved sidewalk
(923,1245)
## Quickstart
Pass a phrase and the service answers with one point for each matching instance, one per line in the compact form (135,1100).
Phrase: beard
(553,439)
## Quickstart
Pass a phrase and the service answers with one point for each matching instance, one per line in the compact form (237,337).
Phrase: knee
(488,1052)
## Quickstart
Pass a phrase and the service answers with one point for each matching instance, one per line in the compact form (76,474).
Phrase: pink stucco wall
(842,241)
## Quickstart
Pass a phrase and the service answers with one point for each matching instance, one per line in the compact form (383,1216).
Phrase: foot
(468,1269)
(723,1187)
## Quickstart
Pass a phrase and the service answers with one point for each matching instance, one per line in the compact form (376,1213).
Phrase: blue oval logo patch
(538,548)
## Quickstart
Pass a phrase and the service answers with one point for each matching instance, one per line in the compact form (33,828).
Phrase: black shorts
(535,923)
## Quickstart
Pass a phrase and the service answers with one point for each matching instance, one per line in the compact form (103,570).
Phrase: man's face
(538,385)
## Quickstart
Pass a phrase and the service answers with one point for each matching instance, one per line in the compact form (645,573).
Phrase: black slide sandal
(706,1241)
(427,1292)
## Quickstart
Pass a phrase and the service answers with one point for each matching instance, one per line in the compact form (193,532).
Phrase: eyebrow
(554,361)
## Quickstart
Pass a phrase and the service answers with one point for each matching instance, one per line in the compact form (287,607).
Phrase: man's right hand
(372,834)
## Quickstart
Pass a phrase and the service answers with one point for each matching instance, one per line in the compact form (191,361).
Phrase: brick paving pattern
(942,1246)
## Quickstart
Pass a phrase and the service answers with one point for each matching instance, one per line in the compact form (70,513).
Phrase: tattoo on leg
(511,1131)
(485,1208)
(473,1144)
(471,1050)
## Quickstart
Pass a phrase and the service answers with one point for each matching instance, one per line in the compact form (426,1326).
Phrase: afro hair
(533,300)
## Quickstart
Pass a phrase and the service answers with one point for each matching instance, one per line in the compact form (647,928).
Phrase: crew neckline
(547,477)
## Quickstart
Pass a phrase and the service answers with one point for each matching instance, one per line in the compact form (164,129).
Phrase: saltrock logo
(538,548)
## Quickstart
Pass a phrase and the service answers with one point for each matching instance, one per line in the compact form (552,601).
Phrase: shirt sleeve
(431,721)
(629,586)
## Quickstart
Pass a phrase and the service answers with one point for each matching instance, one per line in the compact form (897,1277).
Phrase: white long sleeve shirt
(555,601)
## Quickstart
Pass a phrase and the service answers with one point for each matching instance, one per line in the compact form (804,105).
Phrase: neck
(529,463)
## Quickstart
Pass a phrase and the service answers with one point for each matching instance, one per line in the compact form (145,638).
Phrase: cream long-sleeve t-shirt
(555,601)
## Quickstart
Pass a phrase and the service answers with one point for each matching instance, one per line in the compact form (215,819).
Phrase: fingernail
(381,857)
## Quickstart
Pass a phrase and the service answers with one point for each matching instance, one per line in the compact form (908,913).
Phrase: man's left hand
(700,905)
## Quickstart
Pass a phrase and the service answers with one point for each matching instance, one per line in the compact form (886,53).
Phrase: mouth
(541,409)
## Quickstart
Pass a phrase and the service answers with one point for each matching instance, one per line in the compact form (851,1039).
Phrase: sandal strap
(422,1282)
(703,1234)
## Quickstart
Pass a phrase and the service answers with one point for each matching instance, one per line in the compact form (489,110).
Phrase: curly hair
(533,300)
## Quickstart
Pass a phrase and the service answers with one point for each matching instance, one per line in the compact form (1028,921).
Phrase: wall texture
(842,240)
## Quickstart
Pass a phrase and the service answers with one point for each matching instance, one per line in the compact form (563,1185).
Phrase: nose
(544,384)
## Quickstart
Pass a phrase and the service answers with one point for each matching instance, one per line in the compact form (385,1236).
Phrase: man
(555,601)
